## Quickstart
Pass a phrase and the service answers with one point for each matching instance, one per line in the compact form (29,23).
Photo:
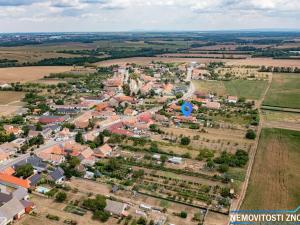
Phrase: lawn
(275,179)
(249,89)
(284,91)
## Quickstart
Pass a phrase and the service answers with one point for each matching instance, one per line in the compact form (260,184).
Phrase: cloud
(16,2)
(147,14)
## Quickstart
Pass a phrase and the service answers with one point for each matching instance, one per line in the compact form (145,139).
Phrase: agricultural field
(10,97)
(243,72)
(274,183)
(249,89)
(25,74)
(284,91)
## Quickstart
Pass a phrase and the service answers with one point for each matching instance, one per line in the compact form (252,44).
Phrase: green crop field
(284,91)
(249,89)
(275,178)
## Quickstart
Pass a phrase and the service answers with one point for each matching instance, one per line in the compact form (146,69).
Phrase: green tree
(61,196)
(24,171)
(79,137)
(223,168)
(183,214)
(99,203)
(141,221)
(38,127)
(185,141)
(250,134)
(103,216)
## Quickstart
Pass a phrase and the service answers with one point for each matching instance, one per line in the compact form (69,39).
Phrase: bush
(97,204)
(223,168)
(250,134)
(142,221)
(61,196)
(183,214)
(101,215)
(185,141)
(52,217)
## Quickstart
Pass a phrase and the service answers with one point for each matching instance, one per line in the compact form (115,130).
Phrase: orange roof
(56,149)
(9,171)
(104,150)
(11,129)
(14,180)
(168,87)
(124,98)
(101,106)
(50,157)
(87,153)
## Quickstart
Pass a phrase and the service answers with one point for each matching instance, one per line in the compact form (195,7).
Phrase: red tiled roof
(121,132)
(14,180)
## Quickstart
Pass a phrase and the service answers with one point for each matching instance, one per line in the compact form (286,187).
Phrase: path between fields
(236,205)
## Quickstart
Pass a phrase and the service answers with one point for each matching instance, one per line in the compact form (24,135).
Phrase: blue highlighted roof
(186,108)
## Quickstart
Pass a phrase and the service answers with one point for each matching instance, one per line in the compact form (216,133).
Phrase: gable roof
(114,207)
(11,209)
(57,174)
(34,160)
(20,193)
(9,179)
(34,179)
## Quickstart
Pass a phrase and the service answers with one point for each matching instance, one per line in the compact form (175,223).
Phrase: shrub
(183,214)
(61,196)
(223,168)
(250,134)
(52,217)
(185,141)
(101,215)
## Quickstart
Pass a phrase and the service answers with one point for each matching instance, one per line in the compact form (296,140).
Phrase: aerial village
(112,144)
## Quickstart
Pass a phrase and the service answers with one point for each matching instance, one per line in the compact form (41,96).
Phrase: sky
(147,15)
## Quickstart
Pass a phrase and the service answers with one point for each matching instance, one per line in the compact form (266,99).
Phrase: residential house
(53,119)
(57,176)
(36,162)
(10,129)
(104,151)
(13,205)
(13,181)
(18,143)
(232,99)
(35,179)
(212,105)
(116,208)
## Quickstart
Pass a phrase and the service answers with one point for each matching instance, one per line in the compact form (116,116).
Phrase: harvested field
(274,182)
(7,110)
(248,61)
(24,74)
(284,91)
(10,97)
(202,55)
(277,116)
(249,89)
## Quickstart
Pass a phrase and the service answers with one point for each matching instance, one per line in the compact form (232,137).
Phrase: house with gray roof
(13,209)
(13,205)
(35,161)
(58,176)
(116,208)
(35,179)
